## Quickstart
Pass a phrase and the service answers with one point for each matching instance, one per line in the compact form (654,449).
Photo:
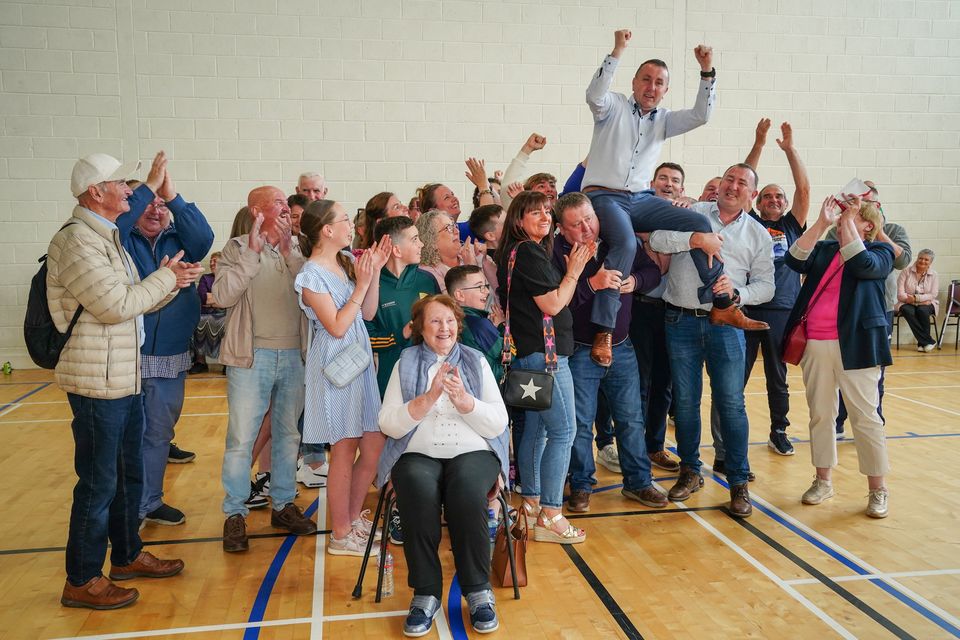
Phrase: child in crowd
(470,289)
(332,290)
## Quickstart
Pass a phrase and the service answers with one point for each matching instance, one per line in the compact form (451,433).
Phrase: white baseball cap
(97,168)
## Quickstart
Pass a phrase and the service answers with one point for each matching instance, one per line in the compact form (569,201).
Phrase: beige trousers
(823,374)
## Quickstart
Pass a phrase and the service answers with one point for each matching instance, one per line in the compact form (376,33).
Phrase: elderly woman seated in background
(447,447)
(209,331)
(917,289)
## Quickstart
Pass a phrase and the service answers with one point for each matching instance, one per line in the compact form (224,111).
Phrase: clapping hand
(257,239)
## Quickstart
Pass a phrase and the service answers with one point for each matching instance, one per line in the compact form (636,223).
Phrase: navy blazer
(861,316)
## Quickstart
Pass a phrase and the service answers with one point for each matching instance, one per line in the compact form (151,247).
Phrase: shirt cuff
(852,248)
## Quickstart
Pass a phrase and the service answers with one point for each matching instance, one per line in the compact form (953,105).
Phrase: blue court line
(26,395)
(850,564)
(455,610)
(270,579)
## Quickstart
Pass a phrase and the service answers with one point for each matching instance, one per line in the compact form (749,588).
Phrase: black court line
(608,600)
(154,543)
(866,609)
(650,512)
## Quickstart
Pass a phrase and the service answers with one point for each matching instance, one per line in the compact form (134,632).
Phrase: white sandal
(544,532)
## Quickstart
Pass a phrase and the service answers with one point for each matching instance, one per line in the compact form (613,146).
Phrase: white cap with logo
(97,168)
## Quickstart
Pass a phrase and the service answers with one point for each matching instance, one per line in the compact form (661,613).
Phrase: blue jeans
(162,403)
(106,499)
(650,345)
(620,215)
(691,341)
(277,375)
(544,454)
(621,386)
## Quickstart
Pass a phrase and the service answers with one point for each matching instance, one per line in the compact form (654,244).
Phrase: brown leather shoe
(235,534)
(602,351)
(579,501)
(740,501)
(734,317)
(689,482)
(147,565)
(97,593)
(662,460)
(293,520)
(648,496)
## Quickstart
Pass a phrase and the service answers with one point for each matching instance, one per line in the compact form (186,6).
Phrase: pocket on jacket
(873,321)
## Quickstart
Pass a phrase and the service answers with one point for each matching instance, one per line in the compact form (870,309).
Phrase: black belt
(696,313)
(651,300)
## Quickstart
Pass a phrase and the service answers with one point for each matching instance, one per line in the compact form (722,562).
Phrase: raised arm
(759,140)
(801,181)
(598,91)
(680,122)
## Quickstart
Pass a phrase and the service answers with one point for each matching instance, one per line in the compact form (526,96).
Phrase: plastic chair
(951,315)
(385,504)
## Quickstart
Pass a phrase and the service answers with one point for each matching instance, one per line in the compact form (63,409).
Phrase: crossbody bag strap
(819,292)
(549,335)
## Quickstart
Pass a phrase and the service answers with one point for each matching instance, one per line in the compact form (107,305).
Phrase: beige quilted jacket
(85,265)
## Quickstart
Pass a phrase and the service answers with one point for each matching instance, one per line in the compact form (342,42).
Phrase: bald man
(263,349)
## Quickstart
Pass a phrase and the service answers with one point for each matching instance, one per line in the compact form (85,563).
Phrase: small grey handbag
(347,365)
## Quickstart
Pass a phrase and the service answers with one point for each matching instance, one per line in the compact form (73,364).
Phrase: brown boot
(293,520)
(740,501)
(648,496)
(688,482)
(734,317)
(602,351)
(235,534)
(579,501)
(147,565)
(97,593)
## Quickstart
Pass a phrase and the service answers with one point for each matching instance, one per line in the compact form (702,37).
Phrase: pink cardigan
(927,287)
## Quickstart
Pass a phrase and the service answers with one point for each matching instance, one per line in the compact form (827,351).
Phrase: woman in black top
(538,289)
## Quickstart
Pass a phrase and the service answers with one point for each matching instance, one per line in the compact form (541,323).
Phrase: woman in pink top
(917,289)
(842,301)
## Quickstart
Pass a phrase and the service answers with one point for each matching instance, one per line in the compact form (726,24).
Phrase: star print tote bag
(529,389)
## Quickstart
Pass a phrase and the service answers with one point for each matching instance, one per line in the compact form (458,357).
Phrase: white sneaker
(878,505)
(609,458)
(819,491)
(350,545)
(928,347)
(310,477)
(363,526)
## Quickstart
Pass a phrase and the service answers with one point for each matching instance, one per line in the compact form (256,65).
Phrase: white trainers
(363,526)
(877,505)
(819,491)
(351,544)
(310,477)
(927,348)
(609,458)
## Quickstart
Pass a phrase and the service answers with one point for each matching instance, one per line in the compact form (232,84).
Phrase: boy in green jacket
(467,286)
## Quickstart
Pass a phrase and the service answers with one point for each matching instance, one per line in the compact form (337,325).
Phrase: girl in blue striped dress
(333,293)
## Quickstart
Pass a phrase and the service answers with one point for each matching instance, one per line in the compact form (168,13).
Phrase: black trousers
(918,317)
(459,486)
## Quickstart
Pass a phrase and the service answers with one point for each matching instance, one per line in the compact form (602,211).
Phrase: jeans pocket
(671,316)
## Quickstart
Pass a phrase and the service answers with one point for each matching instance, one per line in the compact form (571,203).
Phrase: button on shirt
(747,254)
(626,144)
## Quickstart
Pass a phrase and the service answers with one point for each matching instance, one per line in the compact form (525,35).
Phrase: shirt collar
(111,225)
(636,110)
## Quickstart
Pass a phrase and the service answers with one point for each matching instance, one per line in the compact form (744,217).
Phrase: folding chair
(951,315)
(933,325)
(385,505)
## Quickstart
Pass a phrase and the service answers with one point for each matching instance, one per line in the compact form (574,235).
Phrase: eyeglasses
(449,228)
(484,287)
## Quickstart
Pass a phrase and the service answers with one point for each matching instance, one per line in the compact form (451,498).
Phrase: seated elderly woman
(917,289)
(446,449)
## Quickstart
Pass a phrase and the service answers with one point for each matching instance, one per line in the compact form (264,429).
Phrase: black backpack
(44,341)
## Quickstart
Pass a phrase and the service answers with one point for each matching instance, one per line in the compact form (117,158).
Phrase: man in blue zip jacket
(165,354)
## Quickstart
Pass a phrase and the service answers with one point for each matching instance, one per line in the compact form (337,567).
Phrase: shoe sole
(816,502)
(675,467)
(256,506)
(609,466)
(490,630)
(142,574)
(396,543)
(167,523)
(78,604)
(375,551)
(878,516)
(540,534)
(573,509)
(646,503)
(313,485)
(692,491)
(777,451)
(237,549)
(739,515)
(181,460)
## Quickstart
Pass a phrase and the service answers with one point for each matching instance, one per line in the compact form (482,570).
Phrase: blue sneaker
(423,609)
(396,531)
(483,616)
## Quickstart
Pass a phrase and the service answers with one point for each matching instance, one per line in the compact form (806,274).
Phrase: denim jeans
(277,375)
(107,436)
(162,403)
(621,386)
(544,455)
(650,344)
(691,341)
(620,215)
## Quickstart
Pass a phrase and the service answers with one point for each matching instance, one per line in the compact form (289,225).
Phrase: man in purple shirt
(621,384)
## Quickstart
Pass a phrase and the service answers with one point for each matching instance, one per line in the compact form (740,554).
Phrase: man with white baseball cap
(99,369)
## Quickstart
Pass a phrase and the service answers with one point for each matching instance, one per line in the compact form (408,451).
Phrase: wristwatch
(709,74)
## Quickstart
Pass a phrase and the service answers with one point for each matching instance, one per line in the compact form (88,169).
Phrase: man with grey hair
(91,277)
(312,185)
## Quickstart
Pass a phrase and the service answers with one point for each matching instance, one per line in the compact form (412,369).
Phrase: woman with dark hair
(841,304)
(383,205)
(447,446)
(537,290)
(332,293)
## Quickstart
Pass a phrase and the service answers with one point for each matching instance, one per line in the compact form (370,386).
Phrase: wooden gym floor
(789,571)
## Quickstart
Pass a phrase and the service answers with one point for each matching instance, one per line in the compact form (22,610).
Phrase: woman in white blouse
(446,448)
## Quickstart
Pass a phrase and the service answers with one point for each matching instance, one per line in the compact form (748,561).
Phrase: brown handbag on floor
(500,571)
